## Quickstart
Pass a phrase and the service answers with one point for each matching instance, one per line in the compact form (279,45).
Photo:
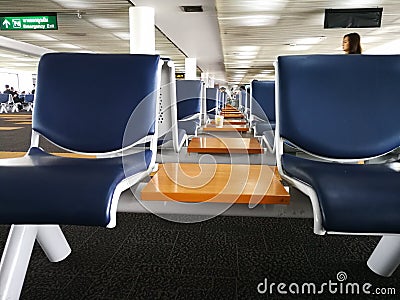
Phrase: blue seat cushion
(168,137)
(189,126)
(211,116)
(260,127)
(353,198)
(45,198)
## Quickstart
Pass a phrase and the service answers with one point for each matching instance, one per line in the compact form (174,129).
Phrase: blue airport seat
(243,101)
(341,109)
(211,102)
(188,94)
(28,101)
(4,100)
(77,191)
(262,111)
(262,105)
(222,99)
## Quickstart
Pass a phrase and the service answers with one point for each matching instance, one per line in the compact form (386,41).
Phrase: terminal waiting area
(178,192)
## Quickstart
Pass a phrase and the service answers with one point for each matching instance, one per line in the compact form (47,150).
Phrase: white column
(141,30)
(190,68)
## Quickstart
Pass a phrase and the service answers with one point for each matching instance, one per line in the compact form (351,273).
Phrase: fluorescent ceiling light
(27,59)
(252,20)
(245,56)
(122,35)
(20,64)
(244,53)
(262,5)
(107,23)
(310,40)
(39,36)
(246,48)
(7,55)
(267,72)
(74,3)
(64,45)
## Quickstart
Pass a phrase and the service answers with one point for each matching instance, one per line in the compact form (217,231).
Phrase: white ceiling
(236,40)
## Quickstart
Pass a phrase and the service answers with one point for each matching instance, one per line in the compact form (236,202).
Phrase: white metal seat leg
(53,242)
(15,260)
(386,256)
(3,108)
(18,250)
(14,108)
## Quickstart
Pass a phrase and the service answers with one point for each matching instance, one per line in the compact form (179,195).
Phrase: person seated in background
(7,90)
(16,98)
(352,43)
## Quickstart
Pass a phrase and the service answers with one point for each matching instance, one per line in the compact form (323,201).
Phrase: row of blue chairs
(324,105)
(7,103)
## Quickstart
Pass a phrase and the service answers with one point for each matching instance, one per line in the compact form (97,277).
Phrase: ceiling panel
(267,29)
(83,26)
(252,32)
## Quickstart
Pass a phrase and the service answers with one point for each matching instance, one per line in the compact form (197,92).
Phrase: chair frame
(4,106)
(21,238)
(385,258)
(29,104)
(169,106)
(263,137)
(195,116)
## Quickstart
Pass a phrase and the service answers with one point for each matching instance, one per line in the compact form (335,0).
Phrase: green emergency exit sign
(29,21)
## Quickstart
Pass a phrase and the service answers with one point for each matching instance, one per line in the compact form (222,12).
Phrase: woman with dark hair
(351,43)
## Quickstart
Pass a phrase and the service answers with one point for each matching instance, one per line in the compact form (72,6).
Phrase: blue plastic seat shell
(352,197)
(45,198)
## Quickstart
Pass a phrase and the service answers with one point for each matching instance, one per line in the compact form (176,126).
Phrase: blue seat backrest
(243,97)
(84,101)
(211,98)
(340,106)
(188,97)
(29,97)
(3,98)
(263,92)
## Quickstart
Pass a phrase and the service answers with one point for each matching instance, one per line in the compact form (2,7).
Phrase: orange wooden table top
(233,115)
(226,127)
(224,145)
(224,183)
(230,110)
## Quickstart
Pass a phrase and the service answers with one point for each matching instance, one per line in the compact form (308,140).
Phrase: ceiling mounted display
(353,18)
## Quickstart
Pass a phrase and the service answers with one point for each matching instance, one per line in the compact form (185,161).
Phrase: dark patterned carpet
(146,257)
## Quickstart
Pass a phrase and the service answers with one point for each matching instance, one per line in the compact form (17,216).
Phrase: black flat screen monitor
(353,18)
